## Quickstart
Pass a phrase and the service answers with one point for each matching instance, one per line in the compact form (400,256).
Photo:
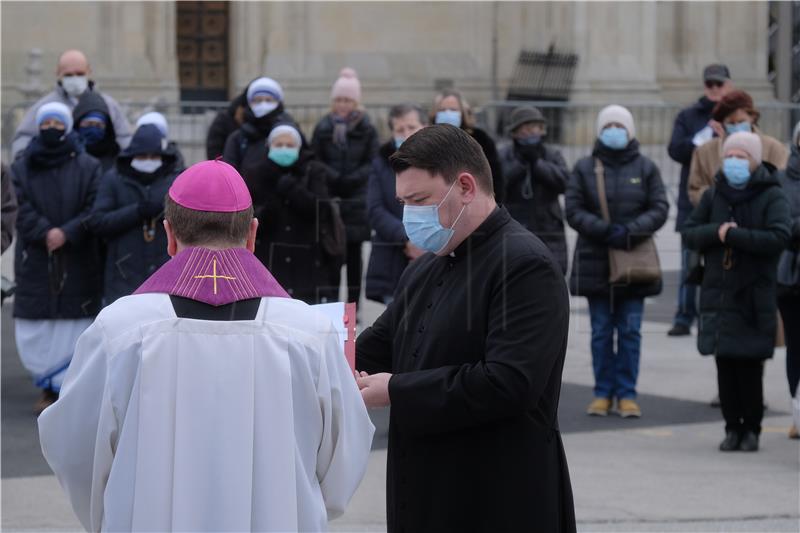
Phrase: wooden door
(202,40)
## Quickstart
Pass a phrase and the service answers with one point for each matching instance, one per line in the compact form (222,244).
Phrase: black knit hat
(523,115)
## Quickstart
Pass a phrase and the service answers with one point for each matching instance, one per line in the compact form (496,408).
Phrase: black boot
(749,442)
(730,443)
(679,330)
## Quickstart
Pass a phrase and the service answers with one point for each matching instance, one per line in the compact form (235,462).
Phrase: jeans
(741,393)
(615,373)
(687,294)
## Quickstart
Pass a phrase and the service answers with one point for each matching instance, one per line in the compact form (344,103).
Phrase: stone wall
(629,51)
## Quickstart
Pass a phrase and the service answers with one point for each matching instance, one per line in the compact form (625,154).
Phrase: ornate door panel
(202,40)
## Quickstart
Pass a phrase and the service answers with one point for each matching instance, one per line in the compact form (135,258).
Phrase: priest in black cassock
(469,355)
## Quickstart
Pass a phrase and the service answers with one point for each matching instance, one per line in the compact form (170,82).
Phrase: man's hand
(723,230)
(55,239)
(374,388)
(411,251)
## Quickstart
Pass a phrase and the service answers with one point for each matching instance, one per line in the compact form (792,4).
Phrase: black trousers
(741,393)
(790,312)
(354,271)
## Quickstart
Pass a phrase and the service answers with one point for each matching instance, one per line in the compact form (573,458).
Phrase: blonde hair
(467,119)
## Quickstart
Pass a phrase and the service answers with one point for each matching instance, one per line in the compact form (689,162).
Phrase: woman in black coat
(93,123)
(225,122)
(789,289)
(450,107)
(245,148)
(391,249)
(535,175)
(741,225)
(290,199)
(128,212)
(346,141)
(638,207)
(56,262)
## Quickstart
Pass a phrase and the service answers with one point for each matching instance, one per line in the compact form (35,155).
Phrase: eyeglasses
(711,84)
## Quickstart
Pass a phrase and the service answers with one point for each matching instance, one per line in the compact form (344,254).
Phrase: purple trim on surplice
(215,277)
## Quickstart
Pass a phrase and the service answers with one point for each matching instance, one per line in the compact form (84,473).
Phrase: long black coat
(531,196)
(738,295)
(688,122)
(130,259)
(68,284)
(352,165)
(287,203)
(490,151)
(636,199)
(789,178)
(387,259)
(222,126)
(474,443)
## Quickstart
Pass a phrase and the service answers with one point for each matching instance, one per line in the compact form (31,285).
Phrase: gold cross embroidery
(214,276)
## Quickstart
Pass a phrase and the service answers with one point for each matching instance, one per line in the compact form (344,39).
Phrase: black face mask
(52,137)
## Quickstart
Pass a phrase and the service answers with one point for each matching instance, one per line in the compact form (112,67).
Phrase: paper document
(343,317)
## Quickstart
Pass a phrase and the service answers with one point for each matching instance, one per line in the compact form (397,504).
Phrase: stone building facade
(142,51)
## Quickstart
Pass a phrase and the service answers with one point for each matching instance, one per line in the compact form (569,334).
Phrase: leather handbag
(637,265)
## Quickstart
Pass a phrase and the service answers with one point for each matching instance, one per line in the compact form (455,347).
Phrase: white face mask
(263,108)
(146,166)
(75,85)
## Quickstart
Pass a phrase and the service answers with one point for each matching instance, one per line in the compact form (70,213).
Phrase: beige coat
(707,160)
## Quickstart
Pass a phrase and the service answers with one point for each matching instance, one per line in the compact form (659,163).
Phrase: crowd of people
(90,190)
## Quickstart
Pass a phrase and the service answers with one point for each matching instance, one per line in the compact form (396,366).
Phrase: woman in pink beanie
(346,141)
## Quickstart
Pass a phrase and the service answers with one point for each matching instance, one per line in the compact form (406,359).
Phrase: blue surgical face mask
(92,134)
(530,140)
(730,129)
(284,156)
(736,171)
(614,138)
(398,141)
(448,116)
(423,227)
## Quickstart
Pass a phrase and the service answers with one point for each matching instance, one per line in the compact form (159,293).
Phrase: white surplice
(175,424)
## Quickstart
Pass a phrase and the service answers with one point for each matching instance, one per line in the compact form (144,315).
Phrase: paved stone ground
(659,473)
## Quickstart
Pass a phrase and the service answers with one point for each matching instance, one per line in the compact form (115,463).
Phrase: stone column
(249,33)
(617,51)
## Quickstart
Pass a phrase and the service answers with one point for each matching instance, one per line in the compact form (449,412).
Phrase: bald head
(73,63)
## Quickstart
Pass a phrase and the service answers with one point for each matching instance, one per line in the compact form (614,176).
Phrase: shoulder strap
(599,174)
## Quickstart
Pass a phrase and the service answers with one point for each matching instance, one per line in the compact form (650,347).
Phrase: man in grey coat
(74,74)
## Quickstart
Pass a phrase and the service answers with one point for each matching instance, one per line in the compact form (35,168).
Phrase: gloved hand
(532,152)
(617,236)
(149,209)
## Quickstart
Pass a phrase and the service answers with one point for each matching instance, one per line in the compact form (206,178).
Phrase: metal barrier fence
(571,126)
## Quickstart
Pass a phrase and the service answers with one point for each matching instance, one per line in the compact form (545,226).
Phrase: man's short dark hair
(445,150)
(198,228)
(402,110)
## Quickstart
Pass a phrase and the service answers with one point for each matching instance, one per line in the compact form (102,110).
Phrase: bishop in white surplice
(168,421)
